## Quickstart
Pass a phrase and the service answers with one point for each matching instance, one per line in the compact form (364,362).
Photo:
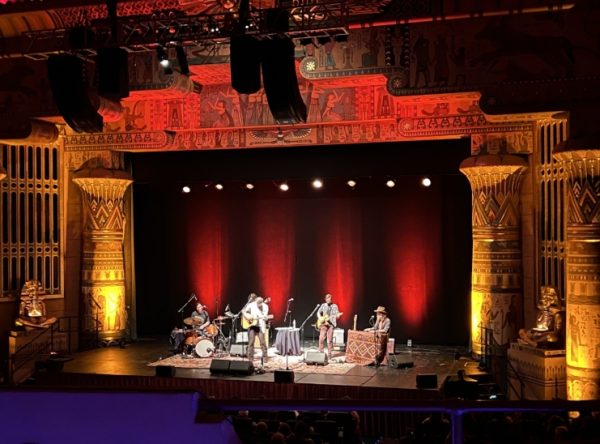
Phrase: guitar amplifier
(238,350)
(338,337)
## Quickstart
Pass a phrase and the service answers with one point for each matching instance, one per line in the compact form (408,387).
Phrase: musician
(257,311)
(328,314)
(381,328)
(200,318)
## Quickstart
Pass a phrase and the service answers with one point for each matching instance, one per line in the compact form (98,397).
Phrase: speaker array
(276,58)
(67,78)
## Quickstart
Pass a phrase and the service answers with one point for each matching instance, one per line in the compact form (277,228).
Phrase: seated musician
(548,331)
(32,309)
(200,318)
(381,327)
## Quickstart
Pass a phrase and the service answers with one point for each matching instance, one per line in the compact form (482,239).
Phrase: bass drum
(205,348)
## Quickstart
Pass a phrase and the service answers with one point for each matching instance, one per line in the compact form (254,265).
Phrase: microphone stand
(193,296)
(305,321)
(287,312)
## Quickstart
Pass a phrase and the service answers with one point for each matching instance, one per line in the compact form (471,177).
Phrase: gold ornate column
(583,270)
(496,282)
(103,277)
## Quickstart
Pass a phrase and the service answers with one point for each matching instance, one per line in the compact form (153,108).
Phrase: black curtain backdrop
(407,248)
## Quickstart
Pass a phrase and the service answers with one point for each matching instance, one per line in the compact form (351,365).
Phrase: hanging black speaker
(113,73)
(245,64)
(67,78)
(280,81)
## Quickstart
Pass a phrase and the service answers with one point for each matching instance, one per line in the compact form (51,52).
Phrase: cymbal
(221,318)
(219,322)
(192,321)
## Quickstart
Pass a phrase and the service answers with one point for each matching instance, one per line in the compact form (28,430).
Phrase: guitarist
(257,313)
(327,314)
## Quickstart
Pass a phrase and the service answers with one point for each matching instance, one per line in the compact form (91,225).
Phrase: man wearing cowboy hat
(381,327)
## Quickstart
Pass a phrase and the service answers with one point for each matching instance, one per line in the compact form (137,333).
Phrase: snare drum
(205,348)
(211,330)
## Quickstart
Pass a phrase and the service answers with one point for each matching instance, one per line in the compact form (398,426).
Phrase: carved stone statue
(548,331)
(32,310)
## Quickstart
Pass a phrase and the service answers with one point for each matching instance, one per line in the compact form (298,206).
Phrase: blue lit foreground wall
(59,417)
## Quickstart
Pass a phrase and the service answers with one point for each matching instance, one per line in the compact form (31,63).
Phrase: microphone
(194,296)
(372,318)
(290,299)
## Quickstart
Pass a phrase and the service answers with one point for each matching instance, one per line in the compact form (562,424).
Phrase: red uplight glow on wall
(340,247)
(275,249)
(207,253)
(413,251)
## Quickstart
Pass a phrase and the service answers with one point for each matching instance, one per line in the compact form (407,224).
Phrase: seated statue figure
(32,310)
(548,331)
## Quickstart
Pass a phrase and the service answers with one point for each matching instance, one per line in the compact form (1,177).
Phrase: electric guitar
(324,319)
(250,321)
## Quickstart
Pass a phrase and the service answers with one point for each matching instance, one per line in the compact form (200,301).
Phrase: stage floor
(134,361)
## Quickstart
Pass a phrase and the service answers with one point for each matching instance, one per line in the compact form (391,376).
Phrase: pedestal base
(539,374)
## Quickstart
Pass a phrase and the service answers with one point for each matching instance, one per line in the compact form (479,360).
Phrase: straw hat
(380,309)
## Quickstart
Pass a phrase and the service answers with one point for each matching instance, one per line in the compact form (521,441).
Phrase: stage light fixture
(390,183)
(351,183)
(184,66)
(163,59)
(219,186)
(185,189)
(317,183)
(284,186)
(249,186)
(426,182)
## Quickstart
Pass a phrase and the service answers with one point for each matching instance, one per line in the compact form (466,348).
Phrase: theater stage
(134,367)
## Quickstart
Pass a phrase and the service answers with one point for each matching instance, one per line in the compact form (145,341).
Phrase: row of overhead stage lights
(316,184)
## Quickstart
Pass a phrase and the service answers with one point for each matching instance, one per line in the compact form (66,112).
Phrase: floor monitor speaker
(315,358)
(399,361)
(286,376)
(241,368)
(165,371)
(427,381)
(219,366)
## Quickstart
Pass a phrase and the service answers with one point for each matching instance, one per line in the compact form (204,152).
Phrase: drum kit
(207,342)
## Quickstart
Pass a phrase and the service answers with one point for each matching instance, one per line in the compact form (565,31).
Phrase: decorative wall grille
(31,207)
(552,217)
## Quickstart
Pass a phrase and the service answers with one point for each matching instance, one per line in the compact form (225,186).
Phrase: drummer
(200,319)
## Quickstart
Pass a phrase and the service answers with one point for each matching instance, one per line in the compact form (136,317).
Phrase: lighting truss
(323,18)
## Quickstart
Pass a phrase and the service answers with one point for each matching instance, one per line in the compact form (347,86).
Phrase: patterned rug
(274,363)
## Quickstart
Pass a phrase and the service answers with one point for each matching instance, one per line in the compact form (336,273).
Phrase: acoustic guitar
(250,321)
(324,319)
